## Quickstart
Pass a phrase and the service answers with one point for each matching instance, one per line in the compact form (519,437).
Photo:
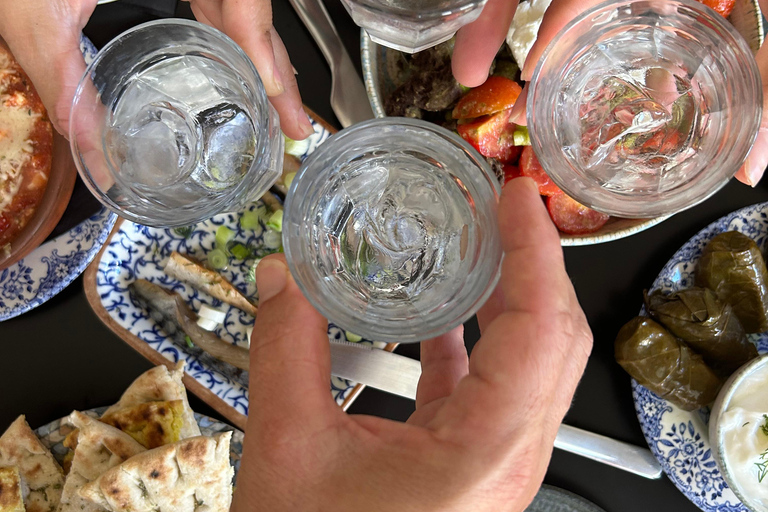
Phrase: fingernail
(754,172)
(527,182)
(518,110)
(303,120)
(271,278)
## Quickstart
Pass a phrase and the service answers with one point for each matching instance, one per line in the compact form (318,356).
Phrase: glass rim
(639,206)
(409,14)
(262,113)
(333,309)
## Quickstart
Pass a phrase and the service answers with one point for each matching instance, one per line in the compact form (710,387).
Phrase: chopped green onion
(272,241)
(353,337)
(224,235)
(296,147)
(241,252)
(189,342)
(288,179)
(250,220)
(218,259)
(184,231)
(276,221)
(464,88)
(521,137)
(251,277)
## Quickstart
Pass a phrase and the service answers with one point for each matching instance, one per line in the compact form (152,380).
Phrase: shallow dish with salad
(422,86)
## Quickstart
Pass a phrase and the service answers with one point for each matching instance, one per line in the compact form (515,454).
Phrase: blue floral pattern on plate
(140,252)
(678,438)
(55,264)
(52,435)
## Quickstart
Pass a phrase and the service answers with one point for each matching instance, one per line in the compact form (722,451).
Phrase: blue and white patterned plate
(52,435)
(140,252)
(55,264)
(678,438)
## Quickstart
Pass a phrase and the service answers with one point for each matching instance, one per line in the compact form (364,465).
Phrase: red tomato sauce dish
(26,143)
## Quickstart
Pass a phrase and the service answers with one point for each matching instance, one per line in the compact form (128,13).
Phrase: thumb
(290,355)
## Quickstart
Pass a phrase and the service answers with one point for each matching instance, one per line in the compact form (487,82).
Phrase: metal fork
(349,100)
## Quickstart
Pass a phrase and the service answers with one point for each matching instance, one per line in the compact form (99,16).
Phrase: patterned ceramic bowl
(381,67)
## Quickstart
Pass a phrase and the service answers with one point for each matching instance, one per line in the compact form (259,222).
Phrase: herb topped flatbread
(159,385)
(191,475)
(152,424)
(42,478)
(100,447)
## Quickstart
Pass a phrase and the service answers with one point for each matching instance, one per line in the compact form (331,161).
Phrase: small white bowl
(717,431)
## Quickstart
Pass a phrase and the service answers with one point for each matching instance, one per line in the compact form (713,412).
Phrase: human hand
(478,42)
(483,430)
(249,24)
(44,36)
(757,160)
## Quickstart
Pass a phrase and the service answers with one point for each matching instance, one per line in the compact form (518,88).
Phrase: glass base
(410,48)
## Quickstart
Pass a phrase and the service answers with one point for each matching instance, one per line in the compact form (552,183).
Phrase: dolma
(732,266)
(665,365)
(706,324)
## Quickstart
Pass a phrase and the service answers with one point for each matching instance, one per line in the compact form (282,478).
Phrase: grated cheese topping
(16,124)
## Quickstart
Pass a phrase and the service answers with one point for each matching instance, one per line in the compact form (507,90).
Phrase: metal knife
(400,375)
(349,100)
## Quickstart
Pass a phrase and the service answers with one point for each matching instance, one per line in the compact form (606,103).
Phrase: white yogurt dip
(744,430)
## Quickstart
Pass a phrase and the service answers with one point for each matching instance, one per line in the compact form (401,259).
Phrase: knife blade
(349,100)
(400,375)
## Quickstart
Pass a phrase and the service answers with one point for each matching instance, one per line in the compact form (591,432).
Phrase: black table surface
(60,357)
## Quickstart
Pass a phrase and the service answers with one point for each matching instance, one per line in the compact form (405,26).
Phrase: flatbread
(192,474)
(156,385)
(10,490)
(100,447)
(152,424)
(39,471)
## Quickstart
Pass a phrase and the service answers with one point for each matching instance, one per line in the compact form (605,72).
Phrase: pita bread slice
(39,471)
(100,447)
(192,474)
(157,385)
(152,424)
(10,490)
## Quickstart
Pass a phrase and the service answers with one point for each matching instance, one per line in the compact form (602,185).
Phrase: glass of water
(645,108)
(171,125)
(413,25)
(390,230)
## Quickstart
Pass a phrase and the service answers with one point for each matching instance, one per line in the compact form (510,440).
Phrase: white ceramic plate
(51,267)
(678,438)
(52,435)
(381,67)
(140,252)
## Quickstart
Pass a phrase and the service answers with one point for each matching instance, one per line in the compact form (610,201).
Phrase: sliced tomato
(723,7)
(530,167)
(511,172)
(492,136)
(572,217)
(496,94)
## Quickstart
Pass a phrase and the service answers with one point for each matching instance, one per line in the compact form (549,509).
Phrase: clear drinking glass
(412,25)
(644,108)
(390,230)
(170,125)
